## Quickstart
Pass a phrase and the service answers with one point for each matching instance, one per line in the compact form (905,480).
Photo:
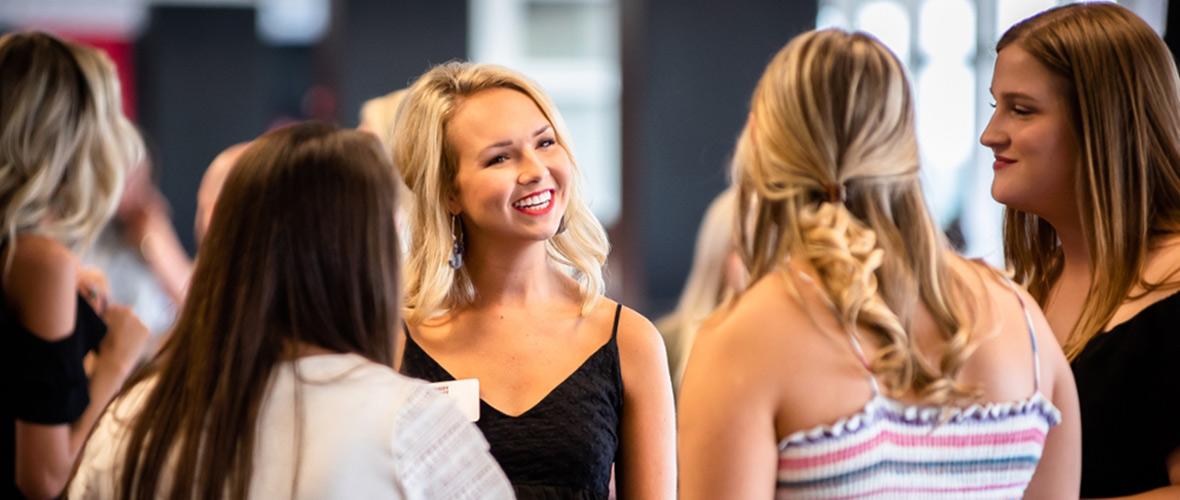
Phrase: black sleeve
(49,384)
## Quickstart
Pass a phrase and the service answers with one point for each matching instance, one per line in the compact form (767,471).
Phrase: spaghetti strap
(615,331)
(864,360)
(1032,335)
(859,351)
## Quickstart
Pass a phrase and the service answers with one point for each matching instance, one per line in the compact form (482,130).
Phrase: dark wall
(206,81)
(1172,36)
(385,45)
(689,67)
(203,82)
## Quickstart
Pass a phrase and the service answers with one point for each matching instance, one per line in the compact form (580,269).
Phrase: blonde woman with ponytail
(866,360)
(504,286)
(1086,136)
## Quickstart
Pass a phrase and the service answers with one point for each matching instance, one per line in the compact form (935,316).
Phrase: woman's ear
(453,205)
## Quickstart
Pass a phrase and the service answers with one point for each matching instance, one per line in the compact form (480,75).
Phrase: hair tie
(835,192)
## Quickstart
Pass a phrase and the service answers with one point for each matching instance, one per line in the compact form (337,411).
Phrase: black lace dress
(562,448)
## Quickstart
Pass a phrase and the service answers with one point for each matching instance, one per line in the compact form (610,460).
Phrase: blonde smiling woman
(505,286)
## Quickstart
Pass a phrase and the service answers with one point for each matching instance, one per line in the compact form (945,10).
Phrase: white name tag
(465,394)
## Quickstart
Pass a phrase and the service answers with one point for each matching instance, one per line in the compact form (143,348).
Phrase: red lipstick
(537,203)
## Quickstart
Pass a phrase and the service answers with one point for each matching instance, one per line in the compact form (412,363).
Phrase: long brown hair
(302,249)
(1124,99)
(827,167)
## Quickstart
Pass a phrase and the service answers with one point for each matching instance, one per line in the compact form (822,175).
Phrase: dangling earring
(560,226)
(456,260)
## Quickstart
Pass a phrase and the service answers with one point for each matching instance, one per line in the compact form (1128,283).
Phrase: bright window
(570,48)
(948,49)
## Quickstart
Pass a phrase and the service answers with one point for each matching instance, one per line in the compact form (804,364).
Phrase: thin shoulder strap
(1032,335)
(859,351)
(864,360)
(615,331)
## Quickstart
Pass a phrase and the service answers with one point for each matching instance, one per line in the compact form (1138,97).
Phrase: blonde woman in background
(1086,135)
(504,285)
(717,274)
(377,117)
(866,360)
(65,149)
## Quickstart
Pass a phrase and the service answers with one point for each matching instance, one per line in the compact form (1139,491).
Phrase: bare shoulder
(761,328)
(41,286)
(637,337)
(1006,313)
(753,338)
(771,301)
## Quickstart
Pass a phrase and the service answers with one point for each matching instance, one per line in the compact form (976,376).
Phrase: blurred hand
(93,286)
(126,338)
(150,213)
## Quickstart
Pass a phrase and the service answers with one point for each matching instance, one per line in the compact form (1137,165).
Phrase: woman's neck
(1075,251)
(512,273)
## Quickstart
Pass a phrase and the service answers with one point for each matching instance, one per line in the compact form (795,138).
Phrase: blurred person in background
(211,183)
(717,275)
(141,255)
(377,117)
(65,149)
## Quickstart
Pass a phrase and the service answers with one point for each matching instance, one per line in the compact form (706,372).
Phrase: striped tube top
(894,450)
(891,450)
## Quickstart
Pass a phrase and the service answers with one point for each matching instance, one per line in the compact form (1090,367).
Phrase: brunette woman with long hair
(1086,136)
(276,382)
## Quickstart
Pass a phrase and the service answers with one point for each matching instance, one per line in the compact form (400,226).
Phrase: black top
(1129,389)
(45,382)
(563,447)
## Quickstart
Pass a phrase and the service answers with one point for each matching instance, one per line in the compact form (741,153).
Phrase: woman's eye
(546,143)
(497,159)
(1021,111)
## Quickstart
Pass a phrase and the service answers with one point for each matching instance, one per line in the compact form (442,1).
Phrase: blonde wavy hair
(428,164)
(1124,99)
(833,113)
(378,115)
(65,146)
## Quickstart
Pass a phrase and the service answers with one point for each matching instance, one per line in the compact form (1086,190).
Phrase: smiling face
(512,174)
(1037,151)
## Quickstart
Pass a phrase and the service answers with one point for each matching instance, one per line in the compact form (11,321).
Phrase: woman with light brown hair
(65,148)
(505,287)
(277,380)
(1086,136)
(866,360)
